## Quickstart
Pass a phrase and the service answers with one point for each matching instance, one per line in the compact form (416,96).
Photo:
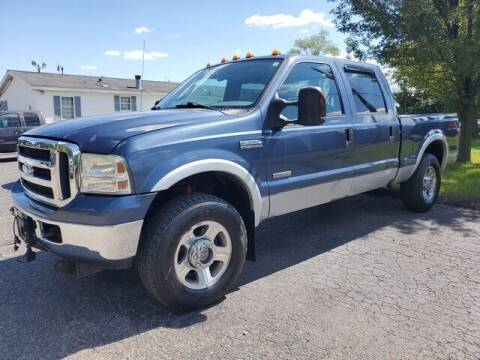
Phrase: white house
(61,97)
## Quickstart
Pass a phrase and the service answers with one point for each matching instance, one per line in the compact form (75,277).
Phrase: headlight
(104,174)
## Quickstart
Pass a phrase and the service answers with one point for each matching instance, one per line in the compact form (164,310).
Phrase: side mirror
(154,107)
(275,118)
(312,106)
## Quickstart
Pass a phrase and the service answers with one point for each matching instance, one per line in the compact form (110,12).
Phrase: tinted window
(10,120)
(310,74)
(366,92)
(31,119)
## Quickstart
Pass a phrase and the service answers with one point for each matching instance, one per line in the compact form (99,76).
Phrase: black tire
(411,191)
(160,240)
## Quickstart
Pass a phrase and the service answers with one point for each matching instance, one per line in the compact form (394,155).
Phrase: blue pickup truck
(177,192)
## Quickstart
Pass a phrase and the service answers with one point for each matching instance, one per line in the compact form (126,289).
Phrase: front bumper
(101,230)
(113,246)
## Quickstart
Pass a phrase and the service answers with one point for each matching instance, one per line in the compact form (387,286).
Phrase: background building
(61,97)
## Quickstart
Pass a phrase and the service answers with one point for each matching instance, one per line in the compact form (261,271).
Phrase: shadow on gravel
(47,315)
(290,239)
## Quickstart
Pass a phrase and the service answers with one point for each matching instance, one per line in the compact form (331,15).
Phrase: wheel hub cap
(201,254)
(429,184)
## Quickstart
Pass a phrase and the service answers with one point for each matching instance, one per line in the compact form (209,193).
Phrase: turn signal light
(276,52)
(224,60)
(235,57)
(249,55)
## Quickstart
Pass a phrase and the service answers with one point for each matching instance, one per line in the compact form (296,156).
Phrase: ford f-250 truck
(178,192)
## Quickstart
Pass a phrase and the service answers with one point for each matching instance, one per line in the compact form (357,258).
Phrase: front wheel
(192,251)
(420,192)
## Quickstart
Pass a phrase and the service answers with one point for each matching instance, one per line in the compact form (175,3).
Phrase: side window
(311,74)
(31,119)
(366,92)
(9,120)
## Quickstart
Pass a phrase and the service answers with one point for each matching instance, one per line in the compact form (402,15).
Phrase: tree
(315,45)
(434,44)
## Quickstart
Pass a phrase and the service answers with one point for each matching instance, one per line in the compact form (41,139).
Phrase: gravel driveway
(358,278)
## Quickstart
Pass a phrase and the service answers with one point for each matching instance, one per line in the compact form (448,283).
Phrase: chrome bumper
(102,244)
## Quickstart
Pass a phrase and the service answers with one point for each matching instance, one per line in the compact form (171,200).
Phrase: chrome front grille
(48,169)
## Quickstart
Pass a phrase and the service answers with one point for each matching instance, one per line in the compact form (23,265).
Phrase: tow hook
(28,228)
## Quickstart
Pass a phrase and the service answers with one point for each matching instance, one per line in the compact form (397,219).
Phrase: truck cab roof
(313,58)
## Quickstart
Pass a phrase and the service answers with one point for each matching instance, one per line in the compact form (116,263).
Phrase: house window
(68,107)
(125,103)
(3,105)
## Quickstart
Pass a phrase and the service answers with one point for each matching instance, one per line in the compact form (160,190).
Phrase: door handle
(391,134)
(349,137)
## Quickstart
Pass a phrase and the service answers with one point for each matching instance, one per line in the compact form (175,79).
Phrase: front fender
(218,165)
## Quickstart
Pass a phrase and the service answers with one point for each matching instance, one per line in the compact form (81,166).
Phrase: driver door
(310,165)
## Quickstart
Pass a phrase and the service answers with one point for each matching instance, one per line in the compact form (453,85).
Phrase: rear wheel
(192,251)
(420,192)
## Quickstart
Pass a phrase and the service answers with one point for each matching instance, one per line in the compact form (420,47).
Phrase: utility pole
(141,85)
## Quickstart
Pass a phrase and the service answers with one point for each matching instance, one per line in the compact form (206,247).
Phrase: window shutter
(78,107)
(116,103)
(56,106)
(134,103)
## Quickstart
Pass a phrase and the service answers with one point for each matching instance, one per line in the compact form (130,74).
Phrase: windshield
(229,86)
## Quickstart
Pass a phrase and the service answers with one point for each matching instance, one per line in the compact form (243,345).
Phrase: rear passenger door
(10,130)
(309,165)
(375,140)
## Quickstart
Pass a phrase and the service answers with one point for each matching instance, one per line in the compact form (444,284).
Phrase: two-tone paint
(281,170)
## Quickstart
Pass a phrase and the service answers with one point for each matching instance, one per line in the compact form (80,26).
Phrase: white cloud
(175,36)
(112,52)
(304,31)
(137,55)
(278,21)
(88,67)
(141,30)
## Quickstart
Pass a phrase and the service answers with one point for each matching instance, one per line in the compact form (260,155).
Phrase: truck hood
(101,134)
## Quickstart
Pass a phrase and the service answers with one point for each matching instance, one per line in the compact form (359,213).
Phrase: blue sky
(98,37)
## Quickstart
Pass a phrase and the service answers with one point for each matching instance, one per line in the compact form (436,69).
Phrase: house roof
(38,80)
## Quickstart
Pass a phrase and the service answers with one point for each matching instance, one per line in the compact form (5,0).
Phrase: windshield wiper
(195,105)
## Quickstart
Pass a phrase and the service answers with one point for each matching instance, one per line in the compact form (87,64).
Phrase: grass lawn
(463,181)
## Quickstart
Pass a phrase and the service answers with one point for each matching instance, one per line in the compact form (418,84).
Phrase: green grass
(463,181)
